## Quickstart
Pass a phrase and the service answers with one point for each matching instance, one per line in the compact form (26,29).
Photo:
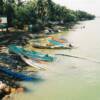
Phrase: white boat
(33,63)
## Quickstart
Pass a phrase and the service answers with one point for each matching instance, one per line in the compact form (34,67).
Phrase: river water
(70,78)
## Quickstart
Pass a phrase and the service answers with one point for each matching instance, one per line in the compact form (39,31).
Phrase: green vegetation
(39,14)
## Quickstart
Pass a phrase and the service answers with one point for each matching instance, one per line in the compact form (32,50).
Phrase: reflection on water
(70,78)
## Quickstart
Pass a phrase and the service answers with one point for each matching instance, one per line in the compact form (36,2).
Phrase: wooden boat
(54,44)
(33,63)
(52,47)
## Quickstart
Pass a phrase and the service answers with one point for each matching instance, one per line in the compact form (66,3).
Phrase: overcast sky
(91,6)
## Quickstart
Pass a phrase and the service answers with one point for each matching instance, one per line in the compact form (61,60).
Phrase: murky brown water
(71,78)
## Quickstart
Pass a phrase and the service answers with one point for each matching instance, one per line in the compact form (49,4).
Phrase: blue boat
(8,59)
(16,75)
(30,54)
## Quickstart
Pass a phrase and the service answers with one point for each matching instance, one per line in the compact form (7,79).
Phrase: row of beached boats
(17,63)
(35,59)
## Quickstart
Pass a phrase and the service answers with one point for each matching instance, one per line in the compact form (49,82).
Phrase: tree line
(39,13)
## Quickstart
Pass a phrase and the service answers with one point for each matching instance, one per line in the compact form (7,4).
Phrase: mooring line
(84,58)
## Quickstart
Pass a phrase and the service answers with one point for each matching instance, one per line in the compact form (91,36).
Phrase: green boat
(30,54)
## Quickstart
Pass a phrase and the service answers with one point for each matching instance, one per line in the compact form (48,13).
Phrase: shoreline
(40,37)
(34,36)
(12,34)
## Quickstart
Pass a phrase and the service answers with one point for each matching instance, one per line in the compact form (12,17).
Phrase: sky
(90,6)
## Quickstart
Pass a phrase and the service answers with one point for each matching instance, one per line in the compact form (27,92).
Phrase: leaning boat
(33,63)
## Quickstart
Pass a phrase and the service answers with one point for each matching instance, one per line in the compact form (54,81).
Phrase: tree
(81,15)
(39,13)
(50,9)
(19,2)
(10,11)
(1,7)
(42,11)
